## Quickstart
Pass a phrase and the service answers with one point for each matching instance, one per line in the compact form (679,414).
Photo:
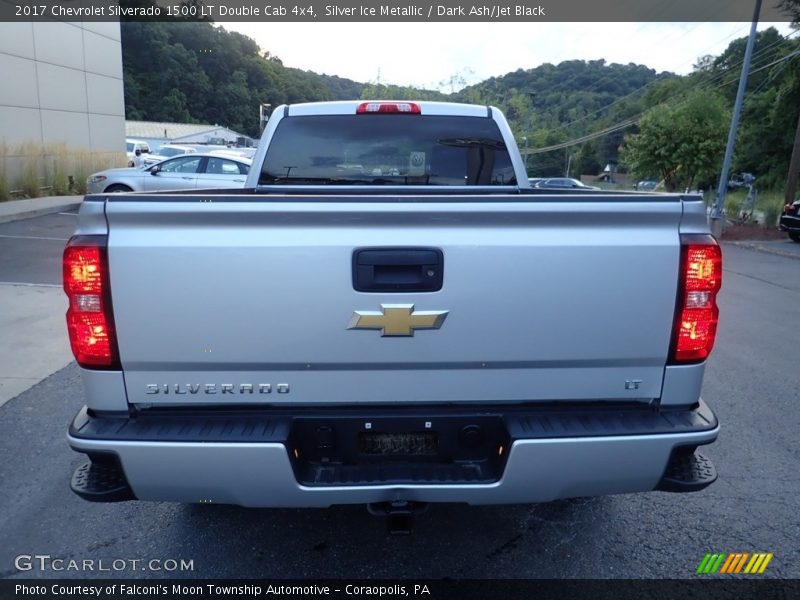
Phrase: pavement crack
(762,280)
(506,547)
(99,545)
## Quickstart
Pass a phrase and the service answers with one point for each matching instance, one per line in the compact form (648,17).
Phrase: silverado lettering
(209,388)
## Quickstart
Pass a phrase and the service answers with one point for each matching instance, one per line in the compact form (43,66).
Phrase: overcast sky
(427,54)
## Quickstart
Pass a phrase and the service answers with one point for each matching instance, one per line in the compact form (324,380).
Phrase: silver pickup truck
(388,314)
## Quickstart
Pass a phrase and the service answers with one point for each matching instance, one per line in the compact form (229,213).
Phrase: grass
(29,177)
(57,177)
(5,186)
(733,203)
(32,170)
(81,171)
(771,205)
(766,211)
(87,163)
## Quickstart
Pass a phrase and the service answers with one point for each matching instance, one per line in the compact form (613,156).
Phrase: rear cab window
(387,149)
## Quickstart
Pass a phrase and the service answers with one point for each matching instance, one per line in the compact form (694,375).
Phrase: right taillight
(90,321)
(696,314)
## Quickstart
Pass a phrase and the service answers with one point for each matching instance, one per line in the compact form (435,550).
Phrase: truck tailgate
(245,300)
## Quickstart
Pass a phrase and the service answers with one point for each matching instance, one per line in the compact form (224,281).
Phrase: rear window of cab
(387,149)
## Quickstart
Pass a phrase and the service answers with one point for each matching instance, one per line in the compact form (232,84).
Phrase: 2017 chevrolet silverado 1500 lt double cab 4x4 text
(388,314)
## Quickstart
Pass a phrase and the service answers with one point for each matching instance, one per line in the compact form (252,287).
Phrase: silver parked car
(189,171)
(563,183)
(166,151)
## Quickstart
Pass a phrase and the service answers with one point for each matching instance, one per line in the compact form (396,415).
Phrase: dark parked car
(562,183)
(646,186)
(790,220)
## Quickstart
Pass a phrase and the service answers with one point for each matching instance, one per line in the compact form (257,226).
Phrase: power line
(632,121)
(716,77)
(591,136)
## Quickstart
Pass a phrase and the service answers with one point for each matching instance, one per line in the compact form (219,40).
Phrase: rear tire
(117,189)
(795,237)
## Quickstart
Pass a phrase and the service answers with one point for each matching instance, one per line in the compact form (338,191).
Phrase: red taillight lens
(407,108)
(697,313)
(90,321)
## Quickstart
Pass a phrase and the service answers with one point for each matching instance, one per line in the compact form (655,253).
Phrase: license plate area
(419,443)
(425,449)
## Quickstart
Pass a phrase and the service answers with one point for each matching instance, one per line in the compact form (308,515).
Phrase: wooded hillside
(577,112)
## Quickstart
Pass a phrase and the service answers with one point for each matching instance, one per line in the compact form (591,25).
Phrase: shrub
(58,180)
(733,204)
(5,186)
(29,176)
(771,207)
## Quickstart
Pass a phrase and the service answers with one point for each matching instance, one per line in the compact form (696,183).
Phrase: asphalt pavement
(783,247)
(32,304)
(751,382)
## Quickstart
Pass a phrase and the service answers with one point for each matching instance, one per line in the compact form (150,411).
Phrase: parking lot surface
(32,304)
(751,383)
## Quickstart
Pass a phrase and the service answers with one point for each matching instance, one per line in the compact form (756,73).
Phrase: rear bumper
(250,460)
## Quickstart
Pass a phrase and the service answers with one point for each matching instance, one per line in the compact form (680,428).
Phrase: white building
(156,133)
(61,95)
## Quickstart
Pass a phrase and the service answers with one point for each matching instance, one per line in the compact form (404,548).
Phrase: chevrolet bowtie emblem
(397,319)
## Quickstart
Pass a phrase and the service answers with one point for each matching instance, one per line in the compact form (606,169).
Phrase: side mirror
(155,170)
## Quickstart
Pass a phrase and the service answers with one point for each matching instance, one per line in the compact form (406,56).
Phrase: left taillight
(696,314)
(90,320)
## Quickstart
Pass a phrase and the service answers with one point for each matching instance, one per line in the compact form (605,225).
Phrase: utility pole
(532,96)
(263,115)
(794,168)
(525,139)
(717,221)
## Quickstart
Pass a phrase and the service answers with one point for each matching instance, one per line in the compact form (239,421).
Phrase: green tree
(174,108)
(681,143)
(727,67)
(791,8)
(767,130)
(196,72)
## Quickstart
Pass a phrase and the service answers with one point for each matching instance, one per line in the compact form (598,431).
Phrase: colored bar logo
(736,562)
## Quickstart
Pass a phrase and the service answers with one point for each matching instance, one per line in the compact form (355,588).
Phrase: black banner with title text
(391,10)
(251,589)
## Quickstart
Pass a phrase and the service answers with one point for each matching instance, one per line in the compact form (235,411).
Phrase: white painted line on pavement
(47,285)
(31,237)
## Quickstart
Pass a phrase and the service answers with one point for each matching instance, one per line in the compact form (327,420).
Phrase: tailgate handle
(398,269)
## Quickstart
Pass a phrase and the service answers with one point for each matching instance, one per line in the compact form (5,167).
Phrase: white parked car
(131,146)
(188,171)
(241,152)
(167,151)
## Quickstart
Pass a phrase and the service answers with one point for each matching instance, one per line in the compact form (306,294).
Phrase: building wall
(61,85)
(211,136)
